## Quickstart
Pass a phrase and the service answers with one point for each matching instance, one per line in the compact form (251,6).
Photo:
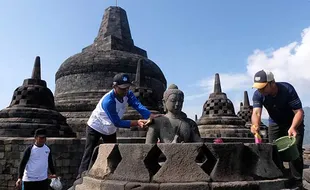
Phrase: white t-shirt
(37,166)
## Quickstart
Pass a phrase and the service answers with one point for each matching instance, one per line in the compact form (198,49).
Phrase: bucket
(287,148)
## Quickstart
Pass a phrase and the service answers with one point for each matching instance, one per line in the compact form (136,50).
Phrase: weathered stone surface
(240,185)
(141,186)
(132,166)
(85,77)
(229,165)
(218,117)
(33,107)
(89,183)
(113,185)
(272,184)
(306,174)
(180,160)
(306,185)
(107,160)
(184,186)
(261,156)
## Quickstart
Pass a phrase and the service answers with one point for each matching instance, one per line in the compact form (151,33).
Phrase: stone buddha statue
(174,126)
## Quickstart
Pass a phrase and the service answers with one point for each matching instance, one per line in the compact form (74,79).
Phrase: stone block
(132,166)
(306,185)
(75,162)
(113,185)
(306,175)
(141,186)
(2,162)
(22,148)
(8,177)
(65,170)
(180,165)
(258,158)
(272,184)
(240,185)
(107,160)
(89,183)
(14,155)
(184,186)
(66,162)
(16,163)
(1,155)
(8,148)
(58,163)
(11,183)
(15,148)
(13,170)
(229,165)
(68,176)
(73,169)
(65,155)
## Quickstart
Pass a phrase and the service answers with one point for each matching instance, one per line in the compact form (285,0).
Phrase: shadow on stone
(152,160)
(249,160)
(114,159)
(205,159)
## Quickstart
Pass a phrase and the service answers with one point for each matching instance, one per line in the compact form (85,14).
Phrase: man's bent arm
(298,118)
(136,104)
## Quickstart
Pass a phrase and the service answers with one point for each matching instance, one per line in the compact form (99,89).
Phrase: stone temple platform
(185,166)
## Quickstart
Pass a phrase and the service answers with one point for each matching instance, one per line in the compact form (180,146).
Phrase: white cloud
(290,63)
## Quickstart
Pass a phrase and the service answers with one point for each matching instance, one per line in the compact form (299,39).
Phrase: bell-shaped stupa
(33,107)
(218,116)
(85,77)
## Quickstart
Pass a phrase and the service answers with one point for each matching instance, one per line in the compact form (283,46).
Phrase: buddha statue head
(173,100)
(174,126)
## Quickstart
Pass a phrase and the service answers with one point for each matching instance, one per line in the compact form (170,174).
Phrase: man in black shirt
(285,111)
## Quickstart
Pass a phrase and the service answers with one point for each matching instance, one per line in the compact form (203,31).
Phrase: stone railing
(185,166)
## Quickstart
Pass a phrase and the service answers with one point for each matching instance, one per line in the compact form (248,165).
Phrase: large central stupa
(85,77)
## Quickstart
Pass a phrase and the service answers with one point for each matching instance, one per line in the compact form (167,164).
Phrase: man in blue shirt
(285,111)
(106,117)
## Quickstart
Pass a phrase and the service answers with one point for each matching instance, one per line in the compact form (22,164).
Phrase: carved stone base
(185,166)
(96,184)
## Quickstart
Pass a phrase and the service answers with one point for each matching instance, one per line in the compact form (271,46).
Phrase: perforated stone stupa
(245,113)
(33,106)
(218,117)
(85,77)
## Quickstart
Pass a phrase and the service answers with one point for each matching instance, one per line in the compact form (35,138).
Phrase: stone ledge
(95,184)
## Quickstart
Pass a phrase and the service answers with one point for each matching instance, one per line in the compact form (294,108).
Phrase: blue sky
(189,40)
